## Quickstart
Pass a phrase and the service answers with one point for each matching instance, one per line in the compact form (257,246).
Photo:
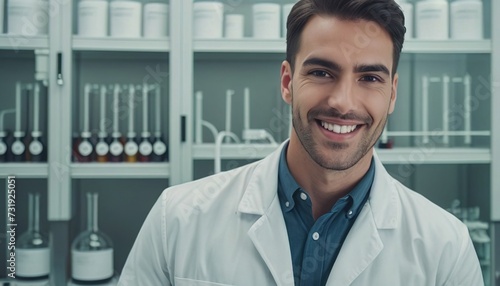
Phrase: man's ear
(286,82)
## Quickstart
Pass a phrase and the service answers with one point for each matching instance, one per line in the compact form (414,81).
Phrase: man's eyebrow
(371,68)
(324,63)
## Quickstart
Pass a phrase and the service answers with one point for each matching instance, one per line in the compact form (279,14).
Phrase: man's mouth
(338,129)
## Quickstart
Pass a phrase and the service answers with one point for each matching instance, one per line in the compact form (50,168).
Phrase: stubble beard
(344,157)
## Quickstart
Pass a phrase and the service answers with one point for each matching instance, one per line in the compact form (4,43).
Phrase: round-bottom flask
(32,251)
(92,250)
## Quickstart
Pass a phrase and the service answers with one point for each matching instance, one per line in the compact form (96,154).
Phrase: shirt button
(303,196)
(349,213)
(287,204)
(315,236)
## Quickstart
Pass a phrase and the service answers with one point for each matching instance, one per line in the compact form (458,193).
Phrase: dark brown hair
(386,13)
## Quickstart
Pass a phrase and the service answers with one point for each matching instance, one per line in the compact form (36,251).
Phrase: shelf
(120,44)
(233,151)
(24,170)
(120,170)
(17,42)
(249,45)
(245,45)
(447,46)
(430,155)
(392,156)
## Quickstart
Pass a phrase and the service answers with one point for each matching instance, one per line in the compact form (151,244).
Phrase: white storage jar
(208,20)
(266,21)
(467,20)
(155,20)
(125,19)
(431,20)
(28,17)
(93,18)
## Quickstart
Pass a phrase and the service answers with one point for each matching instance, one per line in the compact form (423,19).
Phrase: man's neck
(324,186)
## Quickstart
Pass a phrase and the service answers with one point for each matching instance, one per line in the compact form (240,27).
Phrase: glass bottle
(92,250)
(145,148)
(102,148)
(36,147)
(159,149)
(3,146)
(85,147)
(18,148)
(33,252)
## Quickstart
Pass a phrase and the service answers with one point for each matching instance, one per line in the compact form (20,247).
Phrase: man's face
(341,90)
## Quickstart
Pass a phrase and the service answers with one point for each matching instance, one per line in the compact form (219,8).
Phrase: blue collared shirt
(315,245)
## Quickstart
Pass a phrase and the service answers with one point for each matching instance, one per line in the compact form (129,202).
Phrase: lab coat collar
(263,185)
(362,245)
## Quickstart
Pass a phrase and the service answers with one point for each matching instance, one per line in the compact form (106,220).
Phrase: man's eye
(370,78)
(320,73)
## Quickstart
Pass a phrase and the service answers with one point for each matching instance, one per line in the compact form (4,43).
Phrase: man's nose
(342,96)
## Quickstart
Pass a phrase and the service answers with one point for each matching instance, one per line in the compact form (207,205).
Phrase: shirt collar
(360,192)
(288,184)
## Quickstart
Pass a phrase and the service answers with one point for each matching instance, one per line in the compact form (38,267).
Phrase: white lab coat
(228,229)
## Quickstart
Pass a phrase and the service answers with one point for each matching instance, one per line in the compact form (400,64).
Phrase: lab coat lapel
(363,243)
(270,238)
(361,247)
(268,233)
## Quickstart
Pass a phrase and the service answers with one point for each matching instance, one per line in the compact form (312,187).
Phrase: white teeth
(340,129)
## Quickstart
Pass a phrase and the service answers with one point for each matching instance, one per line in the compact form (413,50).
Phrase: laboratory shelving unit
(188,60)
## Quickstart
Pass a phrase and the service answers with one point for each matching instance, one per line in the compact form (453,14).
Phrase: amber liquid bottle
(131,148)
(102,148)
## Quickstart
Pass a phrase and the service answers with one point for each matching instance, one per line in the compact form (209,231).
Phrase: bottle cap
(36,133)
(86,134)
(18,134)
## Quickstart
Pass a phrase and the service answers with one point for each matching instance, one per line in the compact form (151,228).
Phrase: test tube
(425,109)
(467,109)
(446,109)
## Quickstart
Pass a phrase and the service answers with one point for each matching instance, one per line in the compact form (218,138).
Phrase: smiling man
(320,210)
